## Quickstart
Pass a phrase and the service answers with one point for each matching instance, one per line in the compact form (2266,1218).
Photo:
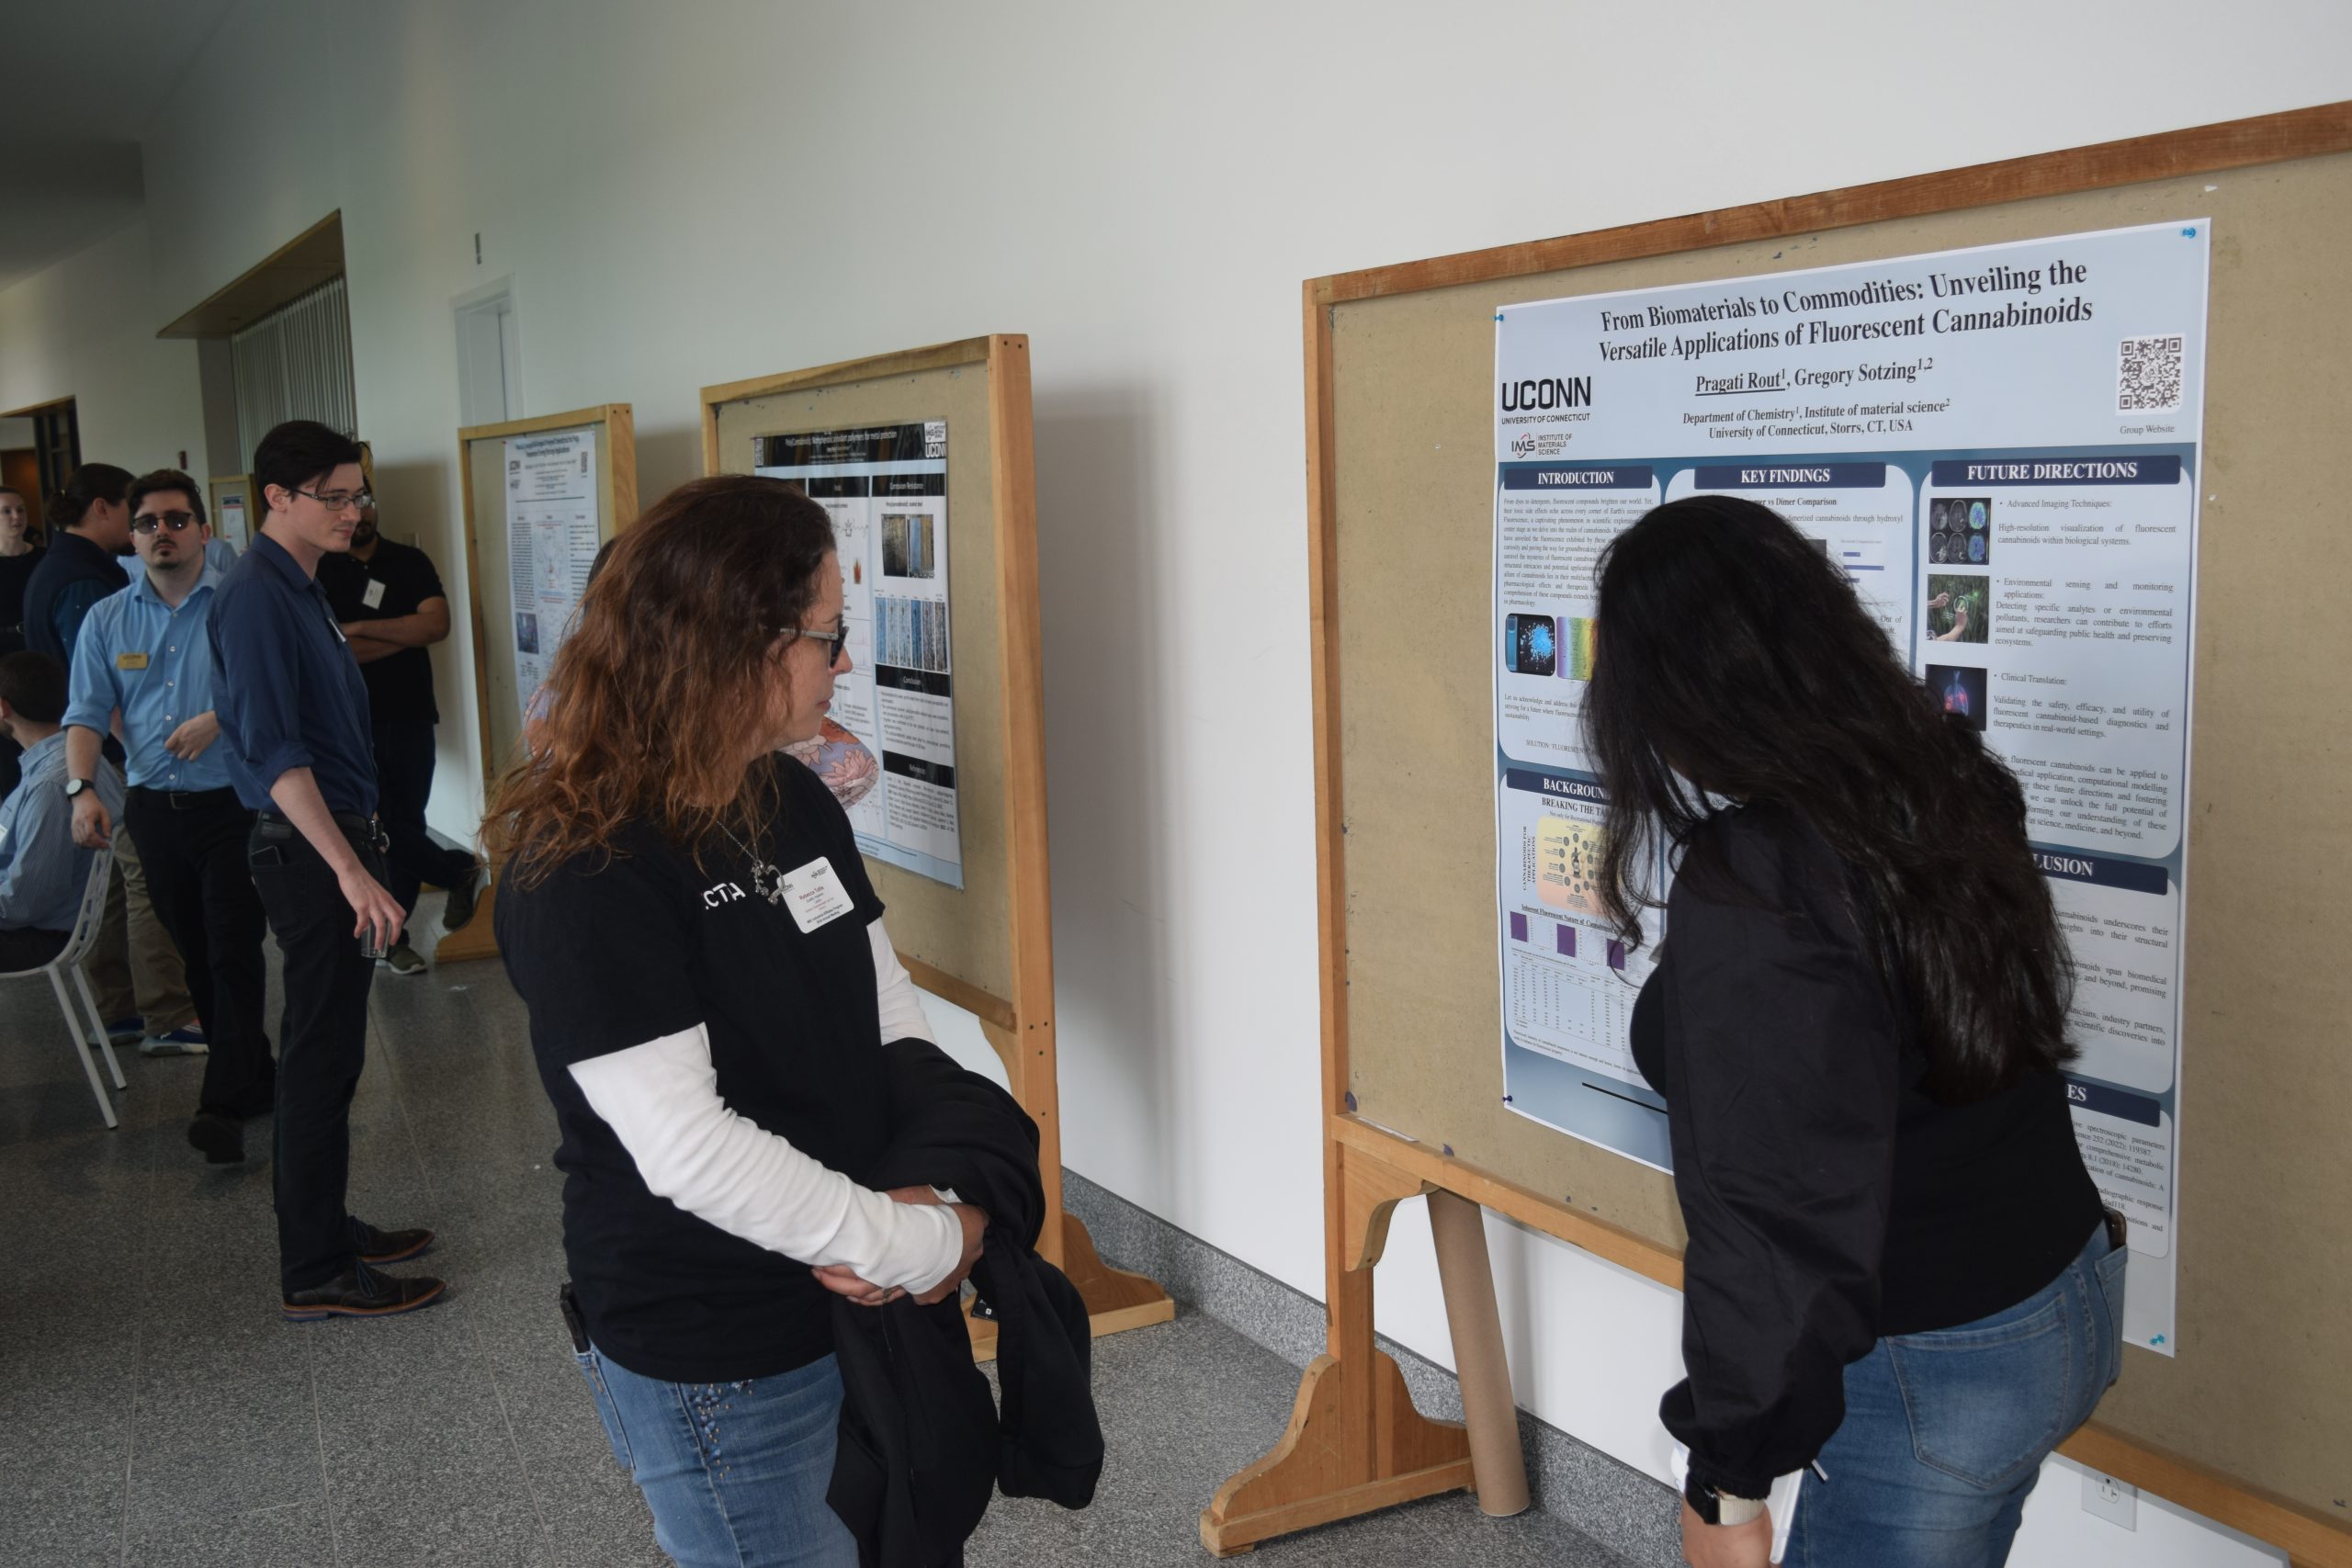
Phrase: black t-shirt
(609,954)
(400,686)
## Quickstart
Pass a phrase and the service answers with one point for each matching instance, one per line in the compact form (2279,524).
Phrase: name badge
(815,895)
(374,597)
(131,661)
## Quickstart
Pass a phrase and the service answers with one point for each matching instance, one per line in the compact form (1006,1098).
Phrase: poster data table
(1999,446)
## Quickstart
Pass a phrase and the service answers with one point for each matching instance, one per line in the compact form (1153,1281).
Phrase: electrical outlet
(2116,1502)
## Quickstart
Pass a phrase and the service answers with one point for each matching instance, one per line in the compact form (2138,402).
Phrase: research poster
(552,534)
(232,524)
(886,488)
(2000,447)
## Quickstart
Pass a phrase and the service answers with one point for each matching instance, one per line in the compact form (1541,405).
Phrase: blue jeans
(735,1472)
(1945,1432)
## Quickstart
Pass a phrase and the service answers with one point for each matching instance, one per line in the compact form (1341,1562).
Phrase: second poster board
(924,459)
(542,496)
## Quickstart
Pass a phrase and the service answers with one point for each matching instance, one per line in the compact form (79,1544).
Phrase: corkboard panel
(2266,1244)
(481,452)
(966,934)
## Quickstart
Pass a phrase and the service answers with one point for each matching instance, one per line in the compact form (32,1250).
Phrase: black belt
(188,799)
(360,830)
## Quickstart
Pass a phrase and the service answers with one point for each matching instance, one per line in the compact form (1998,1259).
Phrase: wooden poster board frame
(615,427)
(1354,1442)
(220,486)
(947,943)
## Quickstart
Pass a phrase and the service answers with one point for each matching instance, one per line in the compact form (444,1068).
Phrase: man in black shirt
(393,608)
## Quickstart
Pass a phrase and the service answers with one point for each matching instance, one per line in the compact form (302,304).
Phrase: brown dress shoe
(360,1292)
(390,1247)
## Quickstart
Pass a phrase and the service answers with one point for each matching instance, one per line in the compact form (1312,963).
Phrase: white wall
(685,194)
(83,330)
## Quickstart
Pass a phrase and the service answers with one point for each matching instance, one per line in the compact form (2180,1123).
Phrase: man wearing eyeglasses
(143,656)
(294,726)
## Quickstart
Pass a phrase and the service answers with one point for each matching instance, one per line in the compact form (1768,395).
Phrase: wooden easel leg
(1115,1299)
(1466,1274)
(1354,1442)
(475,939)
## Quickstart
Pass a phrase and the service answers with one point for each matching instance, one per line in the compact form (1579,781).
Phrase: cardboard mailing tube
(1487,1408)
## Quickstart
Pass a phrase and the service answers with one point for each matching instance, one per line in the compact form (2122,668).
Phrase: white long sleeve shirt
(661,1100)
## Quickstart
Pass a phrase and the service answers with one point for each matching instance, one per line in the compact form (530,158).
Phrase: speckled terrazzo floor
(154,1410)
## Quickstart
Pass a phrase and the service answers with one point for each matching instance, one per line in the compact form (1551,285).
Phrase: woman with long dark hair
(686,913)
(1899,1280)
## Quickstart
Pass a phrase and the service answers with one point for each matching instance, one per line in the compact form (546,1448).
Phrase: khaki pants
(135,968)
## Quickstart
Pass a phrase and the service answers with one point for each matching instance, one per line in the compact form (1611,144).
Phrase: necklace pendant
(767,881)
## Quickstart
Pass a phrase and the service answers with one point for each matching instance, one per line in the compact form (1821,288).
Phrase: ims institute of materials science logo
(1544,401)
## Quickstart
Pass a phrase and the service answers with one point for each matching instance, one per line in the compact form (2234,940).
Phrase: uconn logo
(1551,392)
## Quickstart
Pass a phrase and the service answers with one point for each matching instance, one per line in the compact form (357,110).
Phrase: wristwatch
(75,786)
(1719,1508)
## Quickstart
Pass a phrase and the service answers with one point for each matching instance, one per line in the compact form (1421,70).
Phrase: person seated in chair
(42,870)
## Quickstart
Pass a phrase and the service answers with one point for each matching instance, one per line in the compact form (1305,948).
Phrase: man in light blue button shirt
(42,870)
(146,655)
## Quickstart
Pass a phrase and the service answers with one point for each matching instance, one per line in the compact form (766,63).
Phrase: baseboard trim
(1616,1505)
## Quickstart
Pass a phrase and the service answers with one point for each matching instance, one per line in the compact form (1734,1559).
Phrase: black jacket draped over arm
(921,1445)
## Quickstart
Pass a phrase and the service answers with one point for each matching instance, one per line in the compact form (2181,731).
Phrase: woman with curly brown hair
(685,914)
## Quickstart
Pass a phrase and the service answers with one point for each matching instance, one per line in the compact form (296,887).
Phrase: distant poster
(2000,447)
(230,523)
(552,534)
(886,488)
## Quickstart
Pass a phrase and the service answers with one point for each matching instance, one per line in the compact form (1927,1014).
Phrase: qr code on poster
(2147,374)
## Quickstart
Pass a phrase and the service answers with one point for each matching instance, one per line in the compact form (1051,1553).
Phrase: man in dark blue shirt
(293,716)
(91,520)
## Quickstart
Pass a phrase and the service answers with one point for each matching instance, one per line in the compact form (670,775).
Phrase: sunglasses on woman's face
(147,522)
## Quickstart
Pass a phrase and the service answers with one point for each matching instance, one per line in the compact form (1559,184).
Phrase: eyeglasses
(147,522)
(339,499)
(832,641)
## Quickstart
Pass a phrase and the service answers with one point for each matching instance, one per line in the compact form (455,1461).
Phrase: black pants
(193,847)
(403,783)
(30,947)
(322,1046)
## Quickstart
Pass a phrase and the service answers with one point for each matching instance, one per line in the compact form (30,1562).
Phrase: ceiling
(80,89)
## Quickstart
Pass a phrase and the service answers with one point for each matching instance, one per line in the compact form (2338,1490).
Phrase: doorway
(490,357)
(40,448)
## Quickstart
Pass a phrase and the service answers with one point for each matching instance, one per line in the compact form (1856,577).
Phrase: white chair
(83,937)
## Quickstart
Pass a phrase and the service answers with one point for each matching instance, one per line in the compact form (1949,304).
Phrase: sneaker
(460,906)
(402,960)
(221,1140)
(187,1041)
(390,1247)
(360,1292)
(128,1031)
